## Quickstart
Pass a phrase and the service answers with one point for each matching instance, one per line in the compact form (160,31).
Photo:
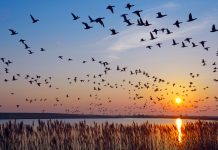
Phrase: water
(124,121)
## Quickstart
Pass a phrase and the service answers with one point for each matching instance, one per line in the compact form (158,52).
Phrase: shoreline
(5,116)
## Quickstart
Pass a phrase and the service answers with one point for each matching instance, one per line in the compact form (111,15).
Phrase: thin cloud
(130,38)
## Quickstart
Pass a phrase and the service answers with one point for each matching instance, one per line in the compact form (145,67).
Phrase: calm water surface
(111,120)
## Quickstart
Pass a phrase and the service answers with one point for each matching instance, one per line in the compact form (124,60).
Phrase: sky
(160,75)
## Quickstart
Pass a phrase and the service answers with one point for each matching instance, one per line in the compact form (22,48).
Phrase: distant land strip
(91,116)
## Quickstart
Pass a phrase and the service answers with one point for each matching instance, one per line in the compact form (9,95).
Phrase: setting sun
(178,100)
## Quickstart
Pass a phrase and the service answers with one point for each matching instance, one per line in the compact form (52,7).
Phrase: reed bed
(58,135)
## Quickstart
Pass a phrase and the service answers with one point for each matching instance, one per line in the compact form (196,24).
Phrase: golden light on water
(179,126)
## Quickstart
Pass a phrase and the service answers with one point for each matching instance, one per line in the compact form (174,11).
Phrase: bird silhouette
(160,15)
(128,22)
(99,20)
(202,43)
(213,28)
(87,26)
(155,31)
(3,59)
(159,45)
(30,52)
(183,45)
(33,19)
(13,78)
(177,23)
(26,46)
(22,41)
(13,32)
(190,18)
(124,17)
(109,7)
(174,43)
(168,31)
(194,45)
(90,19)
(142,40)
(146,23)
(137,12)
(149,46)
(61,57)
(129,6)
(75,17)
(152,36)
(42,49)
(188,39)
(113,31)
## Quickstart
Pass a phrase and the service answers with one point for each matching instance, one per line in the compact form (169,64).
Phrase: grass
(57,135)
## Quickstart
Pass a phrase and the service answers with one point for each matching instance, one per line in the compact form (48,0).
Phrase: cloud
(130,38)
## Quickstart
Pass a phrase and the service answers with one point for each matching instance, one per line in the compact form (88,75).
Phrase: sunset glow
(178,100)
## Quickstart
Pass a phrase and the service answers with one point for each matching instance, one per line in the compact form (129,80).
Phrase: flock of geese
(162,88)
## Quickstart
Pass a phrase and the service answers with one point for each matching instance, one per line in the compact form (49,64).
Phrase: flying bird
(113,31)
(22,41)
(99,20)
(202,43)
(110,8)
(87,26)
(213,28)
(188,39)
(159,45)
(183,45)
(174,43)
(42,49)
(75,17)
(13,32)
(13,78)
(160,15)
(30,52)
(26,46)
(128,23)
(33,19)
(177,23)
(152,36)
(190,18)
(137,12)
(194,45)
(129,6)
(61,57)
(146,23)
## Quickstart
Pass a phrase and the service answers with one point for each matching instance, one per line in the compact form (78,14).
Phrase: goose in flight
(129,6)
(190,18)
(160,15)
(113,31)
(202,43)
(87,26)
(30,52)
(213,28)
(174,43)
(75,17)
(13,32)
(109,7)
(137,12)
(33,19)
(152,36)
(177,23)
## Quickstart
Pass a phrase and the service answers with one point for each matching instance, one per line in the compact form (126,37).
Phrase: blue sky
(59,34)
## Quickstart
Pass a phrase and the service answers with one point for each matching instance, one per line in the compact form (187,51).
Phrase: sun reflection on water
(179,126)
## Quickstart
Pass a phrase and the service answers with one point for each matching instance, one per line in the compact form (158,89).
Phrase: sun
(178,100)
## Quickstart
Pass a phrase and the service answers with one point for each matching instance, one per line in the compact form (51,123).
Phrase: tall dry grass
(57,135)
